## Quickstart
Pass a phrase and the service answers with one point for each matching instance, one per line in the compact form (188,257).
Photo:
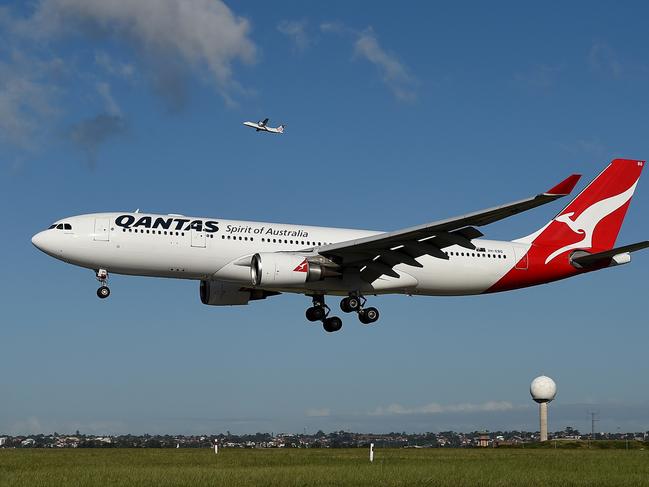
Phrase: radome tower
(543,390)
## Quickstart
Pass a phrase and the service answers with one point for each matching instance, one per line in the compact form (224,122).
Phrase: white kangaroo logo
(586,223)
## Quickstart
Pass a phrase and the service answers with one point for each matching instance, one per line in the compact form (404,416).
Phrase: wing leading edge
(378,254)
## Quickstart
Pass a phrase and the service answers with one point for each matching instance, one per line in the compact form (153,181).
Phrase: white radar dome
(543,389)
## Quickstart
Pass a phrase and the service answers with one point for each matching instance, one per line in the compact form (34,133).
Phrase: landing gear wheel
(103,292)
(368,315)
(316,313)
(350,303)
(332,324)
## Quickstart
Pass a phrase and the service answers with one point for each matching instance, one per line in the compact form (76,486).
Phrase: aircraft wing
(378,254)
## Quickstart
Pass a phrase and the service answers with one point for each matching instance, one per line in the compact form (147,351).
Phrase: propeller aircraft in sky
(262,126)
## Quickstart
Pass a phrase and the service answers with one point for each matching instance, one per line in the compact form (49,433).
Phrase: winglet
(565,187)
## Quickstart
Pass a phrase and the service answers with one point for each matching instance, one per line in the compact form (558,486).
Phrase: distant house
(28,442)
(3,441)
(483,440)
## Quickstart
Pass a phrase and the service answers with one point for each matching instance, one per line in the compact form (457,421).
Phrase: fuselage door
(198,238)
(521,257)
(102,228)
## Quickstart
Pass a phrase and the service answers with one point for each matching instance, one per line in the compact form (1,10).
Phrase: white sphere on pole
(543,389)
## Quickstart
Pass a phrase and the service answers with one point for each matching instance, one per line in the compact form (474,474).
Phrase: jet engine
(279,269)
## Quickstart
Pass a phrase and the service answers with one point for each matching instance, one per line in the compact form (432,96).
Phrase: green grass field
(319,467)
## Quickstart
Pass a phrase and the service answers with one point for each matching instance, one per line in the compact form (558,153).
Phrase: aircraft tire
(103,292)
(332,324)
(368,316)
(315,313)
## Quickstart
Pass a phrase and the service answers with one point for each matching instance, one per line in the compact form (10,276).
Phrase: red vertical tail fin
(593,219)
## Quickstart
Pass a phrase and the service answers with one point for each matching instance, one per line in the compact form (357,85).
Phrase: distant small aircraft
(262,125)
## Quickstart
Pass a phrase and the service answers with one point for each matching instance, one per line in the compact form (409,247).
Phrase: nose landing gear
(356,303)
(102,276)
(320,312)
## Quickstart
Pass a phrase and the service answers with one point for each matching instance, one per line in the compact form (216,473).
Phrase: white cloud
(114,68)
(296,31)
(540,77)
(162,41)
(335,27)
(604,59)
(436,408)
(104,91)
(393,72)
(170,36)
(26,98)
(318,413)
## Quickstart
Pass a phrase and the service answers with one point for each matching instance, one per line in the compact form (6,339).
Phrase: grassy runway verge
(321,467)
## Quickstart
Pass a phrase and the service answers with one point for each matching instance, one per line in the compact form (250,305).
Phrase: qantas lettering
(184,224)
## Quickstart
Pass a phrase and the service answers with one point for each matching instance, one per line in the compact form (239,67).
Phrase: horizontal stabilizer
(591,260)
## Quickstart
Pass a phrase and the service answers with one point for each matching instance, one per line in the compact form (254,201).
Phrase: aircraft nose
(44,242)
(38,240)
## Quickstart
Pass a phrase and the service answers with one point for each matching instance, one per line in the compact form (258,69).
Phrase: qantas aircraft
(240,261)
(262,126)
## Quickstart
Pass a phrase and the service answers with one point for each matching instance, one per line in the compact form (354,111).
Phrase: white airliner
(239,261)
(262,126)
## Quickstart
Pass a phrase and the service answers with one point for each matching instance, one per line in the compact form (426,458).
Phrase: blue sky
(395,116)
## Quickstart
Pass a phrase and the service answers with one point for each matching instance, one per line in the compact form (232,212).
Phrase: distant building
(3,441)
(483,440)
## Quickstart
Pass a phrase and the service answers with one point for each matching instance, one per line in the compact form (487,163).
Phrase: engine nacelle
(283,269)
(219,293)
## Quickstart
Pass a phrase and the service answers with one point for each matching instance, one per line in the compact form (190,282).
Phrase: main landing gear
(353,303)
(320,312)
(357,303)
(102,276)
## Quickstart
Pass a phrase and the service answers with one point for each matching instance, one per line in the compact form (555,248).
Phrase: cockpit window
(61,226)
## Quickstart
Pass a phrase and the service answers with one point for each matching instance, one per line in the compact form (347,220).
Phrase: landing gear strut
(102,276)
(356,302)
(320,312)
